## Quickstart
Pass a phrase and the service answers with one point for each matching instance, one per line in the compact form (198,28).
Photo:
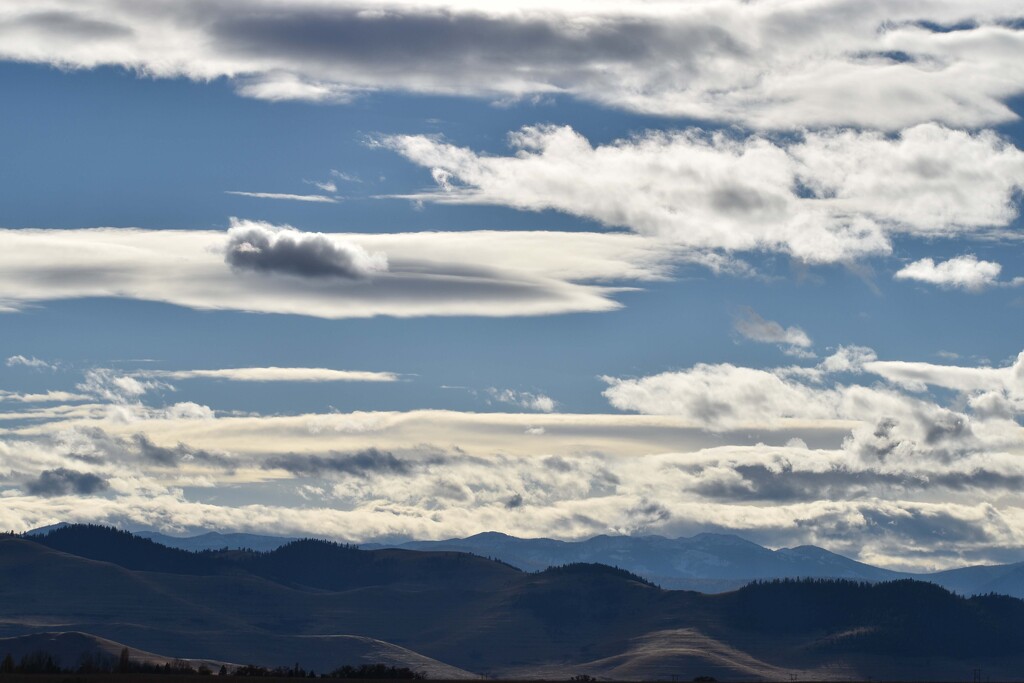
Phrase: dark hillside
(305,600)
(336,567)
(127,550)
(896,618)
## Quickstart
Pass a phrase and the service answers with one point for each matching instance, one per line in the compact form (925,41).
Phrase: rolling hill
(324,604)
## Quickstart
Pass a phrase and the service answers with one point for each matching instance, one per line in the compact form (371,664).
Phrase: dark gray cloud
(71,26)
(61,482)
(558,464)
(786,485)
(646,514)
(925,528)
(434,39)
(174,456)
(272,250)
(360,463)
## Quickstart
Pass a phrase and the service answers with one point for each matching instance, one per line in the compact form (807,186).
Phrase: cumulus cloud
(62,482)
(481,273)
(315,198)
(875,65)
(961,272)
(825,197)
(274,374)
(793,339)
(722,396)
(269,249)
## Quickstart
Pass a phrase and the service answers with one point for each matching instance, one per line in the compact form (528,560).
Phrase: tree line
(102,663)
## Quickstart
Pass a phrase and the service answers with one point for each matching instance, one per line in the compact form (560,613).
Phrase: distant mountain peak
(44,530)
(489,536)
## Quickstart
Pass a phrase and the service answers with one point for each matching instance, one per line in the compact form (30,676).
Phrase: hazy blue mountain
(304,601)
(709,563)
(714,563)
(213,540)
(706,562)
(1005,579)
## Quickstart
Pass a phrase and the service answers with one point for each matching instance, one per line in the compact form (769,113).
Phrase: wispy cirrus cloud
(275,374)
(29,362)
(42,397)
(315,198)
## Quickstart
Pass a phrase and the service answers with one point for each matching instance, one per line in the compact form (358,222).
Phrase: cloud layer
(907,464)
(764,65)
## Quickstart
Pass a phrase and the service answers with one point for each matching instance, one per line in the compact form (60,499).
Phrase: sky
(376,271)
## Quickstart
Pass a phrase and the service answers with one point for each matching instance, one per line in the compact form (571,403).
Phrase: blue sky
(639,284)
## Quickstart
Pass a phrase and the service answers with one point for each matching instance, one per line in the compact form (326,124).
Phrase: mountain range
(455,615)
(709,563)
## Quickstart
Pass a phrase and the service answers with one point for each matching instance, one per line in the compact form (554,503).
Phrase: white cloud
(764,65)
(29,362)
(44,397)
(917,376)
(347,177)
(274,374)
(794,341)
(847,359)
(316,198)
(118,388)
(893,426)
(455,273)
(325,185)
(827,197)
(961,272)
(723,396)
(523,399)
